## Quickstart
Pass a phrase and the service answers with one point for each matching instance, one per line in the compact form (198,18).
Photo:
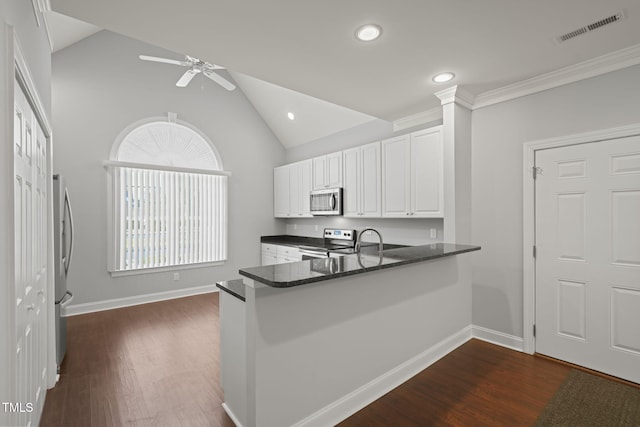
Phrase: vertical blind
(167,218)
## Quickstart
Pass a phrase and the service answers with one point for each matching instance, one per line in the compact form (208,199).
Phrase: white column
(456,135)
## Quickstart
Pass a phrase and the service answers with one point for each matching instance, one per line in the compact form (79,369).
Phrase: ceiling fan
(196,66)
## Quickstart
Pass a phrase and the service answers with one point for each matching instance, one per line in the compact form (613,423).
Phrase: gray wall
(401,231)
(498,135)
(372,131)
(99,88)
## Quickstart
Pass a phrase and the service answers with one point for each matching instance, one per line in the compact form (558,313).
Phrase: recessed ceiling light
(443,77)
(291,115)
(368,32)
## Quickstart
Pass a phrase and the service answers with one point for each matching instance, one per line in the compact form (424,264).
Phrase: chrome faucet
(359,239)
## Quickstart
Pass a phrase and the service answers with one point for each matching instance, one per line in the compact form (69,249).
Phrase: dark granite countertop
(316,270)
(316,242)
(288,240)
(234,287)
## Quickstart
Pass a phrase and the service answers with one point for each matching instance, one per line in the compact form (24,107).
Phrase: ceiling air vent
(619,16)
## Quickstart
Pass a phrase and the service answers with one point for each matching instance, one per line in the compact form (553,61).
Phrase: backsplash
(399,231)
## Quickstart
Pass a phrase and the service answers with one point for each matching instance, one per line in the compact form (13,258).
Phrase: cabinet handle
(408,213)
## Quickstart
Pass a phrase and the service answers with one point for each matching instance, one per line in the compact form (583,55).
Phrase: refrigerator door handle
(67,206)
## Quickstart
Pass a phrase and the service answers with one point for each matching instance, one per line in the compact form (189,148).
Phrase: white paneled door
(30,208)
(587,202)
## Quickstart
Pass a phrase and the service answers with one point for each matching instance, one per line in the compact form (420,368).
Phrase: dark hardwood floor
(148,365)
(158,365)
(478,384)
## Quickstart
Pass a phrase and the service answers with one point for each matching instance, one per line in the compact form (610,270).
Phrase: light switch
(434,233)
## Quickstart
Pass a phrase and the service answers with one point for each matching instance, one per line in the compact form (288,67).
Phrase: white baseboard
(498,338)
(373,390)
(231,414)
(91,307)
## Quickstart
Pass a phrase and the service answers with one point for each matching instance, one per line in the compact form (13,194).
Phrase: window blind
(168,218)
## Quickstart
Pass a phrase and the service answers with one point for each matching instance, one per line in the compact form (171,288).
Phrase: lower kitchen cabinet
(279,254)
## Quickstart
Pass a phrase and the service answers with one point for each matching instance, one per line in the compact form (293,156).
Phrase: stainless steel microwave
(326,201)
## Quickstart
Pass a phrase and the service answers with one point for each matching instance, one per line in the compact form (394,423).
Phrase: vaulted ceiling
(310,48)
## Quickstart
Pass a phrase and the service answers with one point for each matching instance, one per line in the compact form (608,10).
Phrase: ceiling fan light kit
(196,66)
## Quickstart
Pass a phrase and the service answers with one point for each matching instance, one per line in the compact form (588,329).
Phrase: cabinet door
(295,190)
(334,169)
(281,190)
(351,192)
(268,259)
(370,200)
(426,173)
(396,161)
(319,173)
(305,187)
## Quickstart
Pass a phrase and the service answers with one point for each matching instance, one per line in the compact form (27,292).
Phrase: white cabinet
(279,254)
(300,187)
(361,178)
(291,188)
(427,190)
(287,254)
(281,191)
(327,171)
(269,254)
(400,177)
(412,175)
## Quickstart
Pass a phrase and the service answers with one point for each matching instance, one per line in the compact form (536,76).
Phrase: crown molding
(40,7)
(613,61)
(455,94)
(417,119)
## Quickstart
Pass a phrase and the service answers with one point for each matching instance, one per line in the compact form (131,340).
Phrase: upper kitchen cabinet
(281,191)
(412,175)
(300,187)
(327,171)
(291,188)
(362,174)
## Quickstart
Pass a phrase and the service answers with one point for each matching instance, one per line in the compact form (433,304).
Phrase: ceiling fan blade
(186,78)
(165,60)
(209,66)
(220,80)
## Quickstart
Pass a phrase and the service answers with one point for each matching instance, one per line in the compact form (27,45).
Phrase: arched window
(169,196)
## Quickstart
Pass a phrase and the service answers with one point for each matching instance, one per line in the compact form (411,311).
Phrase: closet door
(30,232)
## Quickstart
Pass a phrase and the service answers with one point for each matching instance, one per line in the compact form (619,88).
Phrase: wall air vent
(616,17)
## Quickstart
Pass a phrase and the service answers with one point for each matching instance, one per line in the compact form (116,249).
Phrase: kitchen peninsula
(316,340)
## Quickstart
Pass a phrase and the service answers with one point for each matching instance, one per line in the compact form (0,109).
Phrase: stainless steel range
(337,242)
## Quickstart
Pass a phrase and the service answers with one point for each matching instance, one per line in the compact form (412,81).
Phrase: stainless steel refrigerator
(63,249)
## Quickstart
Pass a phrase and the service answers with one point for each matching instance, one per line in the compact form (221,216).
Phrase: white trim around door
(528,191)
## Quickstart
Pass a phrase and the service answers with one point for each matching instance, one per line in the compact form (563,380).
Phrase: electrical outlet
(368,232)
(316,227)
(434,233)
(295,226)
(176,276)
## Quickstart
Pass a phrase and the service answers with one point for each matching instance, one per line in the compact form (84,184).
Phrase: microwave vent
(616,17)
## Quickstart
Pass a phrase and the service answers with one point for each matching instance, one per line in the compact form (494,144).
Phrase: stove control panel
(339,234)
